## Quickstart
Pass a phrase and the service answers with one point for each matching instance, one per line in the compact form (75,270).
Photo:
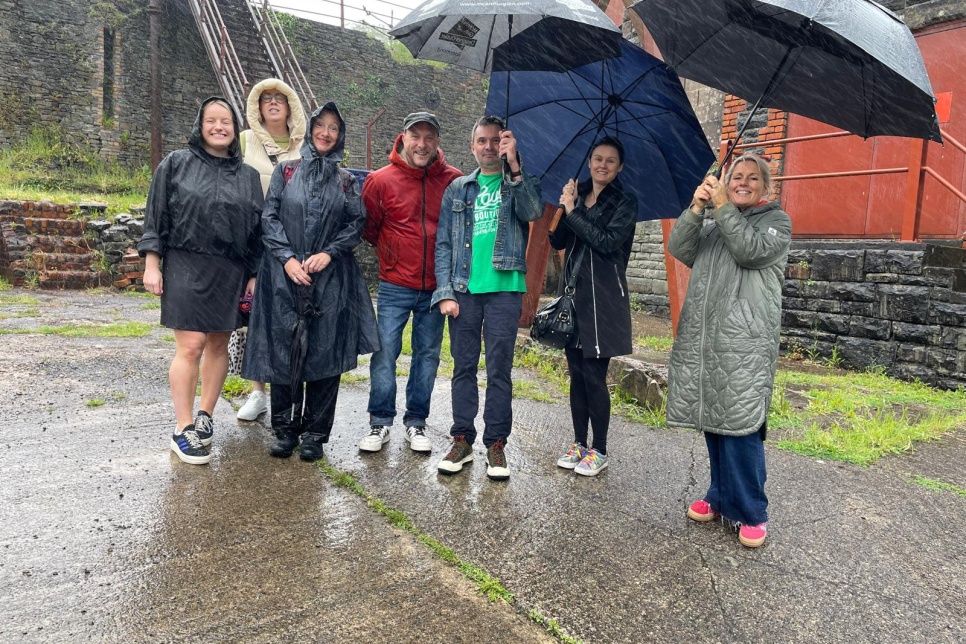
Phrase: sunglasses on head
(278,97)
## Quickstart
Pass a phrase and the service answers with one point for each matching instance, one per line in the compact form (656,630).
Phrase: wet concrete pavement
(106,536)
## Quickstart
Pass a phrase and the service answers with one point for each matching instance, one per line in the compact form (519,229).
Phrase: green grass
(49,166)
(18,299)
(531,391)
(935,485)
(32,312)
(235,387)
(860,417)
(151,305)
(549,364)
(654,343)
(95,402)
(553,628)
(4,285)
(348,378)
(121,330)
(624,404)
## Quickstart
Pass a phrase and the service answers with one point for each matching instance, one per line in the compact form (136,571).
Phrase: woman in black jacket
(597,232)
(312,316)
(201,245)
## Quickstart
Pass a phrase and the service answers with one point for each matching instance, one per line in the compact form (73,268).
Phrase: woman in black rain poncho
(313,315)
(201,246)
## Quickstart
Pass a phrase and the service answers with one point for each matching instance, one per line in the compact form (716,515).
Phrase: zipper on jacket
(593,296)
(619,285)
(704,338)
(425,237)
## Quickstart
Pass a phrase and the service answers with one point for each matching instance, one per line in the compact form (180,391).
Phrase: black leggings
(319,413)
(589,398)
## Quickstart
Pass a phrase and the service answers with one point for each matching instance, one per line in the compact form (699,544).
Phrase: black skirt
(201,292)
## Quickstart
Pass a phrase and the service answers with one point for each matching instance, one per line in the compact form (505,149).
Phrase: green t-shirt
(483,277)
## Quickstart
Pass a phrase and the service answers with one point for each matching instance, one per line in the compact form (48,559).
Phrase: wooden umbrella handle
(556,219)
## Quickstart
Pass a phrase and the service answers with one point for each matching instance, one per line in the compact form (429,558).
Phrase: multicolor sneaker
(496,466)
(575,453)
(205,427)
(752,536)
(701,512)
(377,437)
(591,464)
(418,441)
(461,452)
(187,445)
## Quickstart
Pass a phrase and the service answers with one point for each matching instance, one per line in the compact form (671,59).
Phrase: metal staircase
(229,69)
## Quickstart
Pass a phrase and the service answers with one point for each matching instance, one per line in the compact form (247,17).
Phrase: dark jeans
(495,315)
(738,477)
(393,308)
(589,398)
(319,396)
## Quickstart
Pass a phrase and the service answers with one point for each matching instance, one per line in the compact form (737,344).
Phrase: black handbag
(555,324)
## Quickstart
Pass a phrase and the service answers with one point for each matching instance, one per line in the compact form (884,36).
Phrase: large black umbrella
(636,98)
(514,35)
(849,63)
(305,310)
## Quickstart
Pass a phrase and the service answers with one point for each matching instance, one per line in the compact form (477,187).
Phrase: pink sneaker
(701,511)
(752,536)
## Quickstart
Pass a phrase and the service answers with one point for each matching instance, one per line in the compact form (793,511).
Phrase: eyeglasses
(277,97)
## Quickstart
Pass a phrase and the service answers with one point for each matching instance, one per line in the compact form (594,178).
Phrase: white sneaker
(418,442)
(257,404)
(377,437)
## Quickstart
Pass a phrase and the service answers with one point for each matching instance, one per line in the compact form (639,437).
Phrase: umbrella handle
(556,219)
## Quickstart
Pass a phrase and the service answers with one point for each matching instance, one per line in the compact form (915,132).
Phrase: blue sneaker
(591,464)
(205,427)
(189,448)
(575,454)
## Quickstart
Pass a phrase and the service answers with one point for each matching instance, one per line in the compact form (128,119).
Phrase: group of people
(269,216)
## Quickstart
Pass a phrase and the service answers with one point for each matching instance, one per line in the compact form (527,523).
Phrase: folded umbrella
(849,63)
(305,310)
(636,98)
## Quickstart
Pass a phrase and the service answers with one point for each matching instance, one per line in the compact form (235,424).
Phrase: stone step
(44,225)
(73,279)
(57,244)
(62,261)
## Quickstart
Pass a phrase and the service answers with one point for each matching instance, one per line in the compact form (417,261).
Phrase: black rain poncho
(318,210)
(203,220)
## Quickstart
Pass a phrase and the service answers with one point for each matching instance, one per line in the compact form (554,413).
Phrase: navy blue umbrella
(557,117)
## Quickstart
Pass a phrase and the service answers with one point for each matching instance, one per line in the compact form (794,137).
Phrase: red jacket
(403,212)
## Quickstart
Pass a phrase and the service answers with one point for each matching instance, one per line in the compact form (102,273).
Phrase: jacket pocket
(740,330)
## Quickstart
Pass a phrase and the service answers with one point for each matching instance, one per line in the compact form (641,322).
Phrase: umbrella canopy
(496,35)
(557,117)
(849,63)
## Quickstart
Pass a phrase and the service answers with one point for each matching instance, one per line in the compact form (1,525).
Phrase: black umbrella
(514,35)
(636,98)
(304,310)
(849,63)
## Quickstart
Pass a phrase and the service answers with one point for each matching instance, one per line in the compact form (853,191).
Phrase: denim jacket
(520,205)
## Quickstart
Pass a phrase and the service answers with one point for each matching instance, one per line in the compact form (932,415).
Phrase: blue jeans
(393,308)
(495,315)
(738,477)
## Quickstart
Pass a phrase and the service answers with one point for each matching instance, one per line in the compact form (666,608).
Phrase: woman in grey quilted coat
(726,351)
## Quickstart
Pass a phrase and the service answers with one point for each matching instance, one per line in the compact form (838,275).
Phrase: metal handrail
(279,50)
(221,53)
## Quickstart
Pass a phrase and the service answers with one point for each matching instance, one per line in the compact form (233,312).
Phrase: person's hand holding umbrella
(508,151)
(568,198)
(712,190)
(296,272)
(316,262)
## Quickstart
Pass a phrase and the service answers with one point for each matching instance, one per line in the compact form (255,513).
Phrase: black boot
(311,449)
(285,443)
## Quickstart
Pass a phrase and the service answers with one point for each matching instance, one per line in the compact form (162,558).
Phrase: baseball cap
(421,117)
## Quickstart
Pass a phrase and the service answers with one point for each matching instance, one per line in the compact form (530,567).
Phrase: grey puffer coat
(725,355)
(319,209)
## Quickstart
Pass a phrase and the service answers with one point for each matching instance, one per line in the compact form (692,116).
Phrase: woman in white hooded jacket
(277,128)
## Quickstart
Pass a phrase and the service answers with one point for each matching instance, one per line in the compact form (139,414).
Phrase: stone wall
(901,307)
(55,60)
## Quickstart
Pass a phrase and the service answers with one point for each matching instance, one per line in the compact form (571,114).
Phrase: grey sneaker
(592,464)
(418,442)
(377,437)
(496,466)
(205,427)
(573,456)
(461,452)
(257,404)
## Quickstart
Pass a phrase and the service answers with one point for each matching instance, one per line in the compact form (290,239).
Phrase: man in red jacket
(402,200)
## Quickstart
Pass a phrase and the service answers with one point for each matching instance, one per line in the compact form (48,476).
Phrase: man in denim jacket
(482,291)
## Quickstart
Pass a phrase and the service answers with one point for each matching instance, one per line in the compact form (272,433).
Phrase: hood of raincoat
(309,153)
(296,115)
(197,143)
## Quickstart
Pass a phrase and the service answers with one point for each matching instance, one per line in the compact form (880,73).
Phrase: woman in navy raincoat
(313,315)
